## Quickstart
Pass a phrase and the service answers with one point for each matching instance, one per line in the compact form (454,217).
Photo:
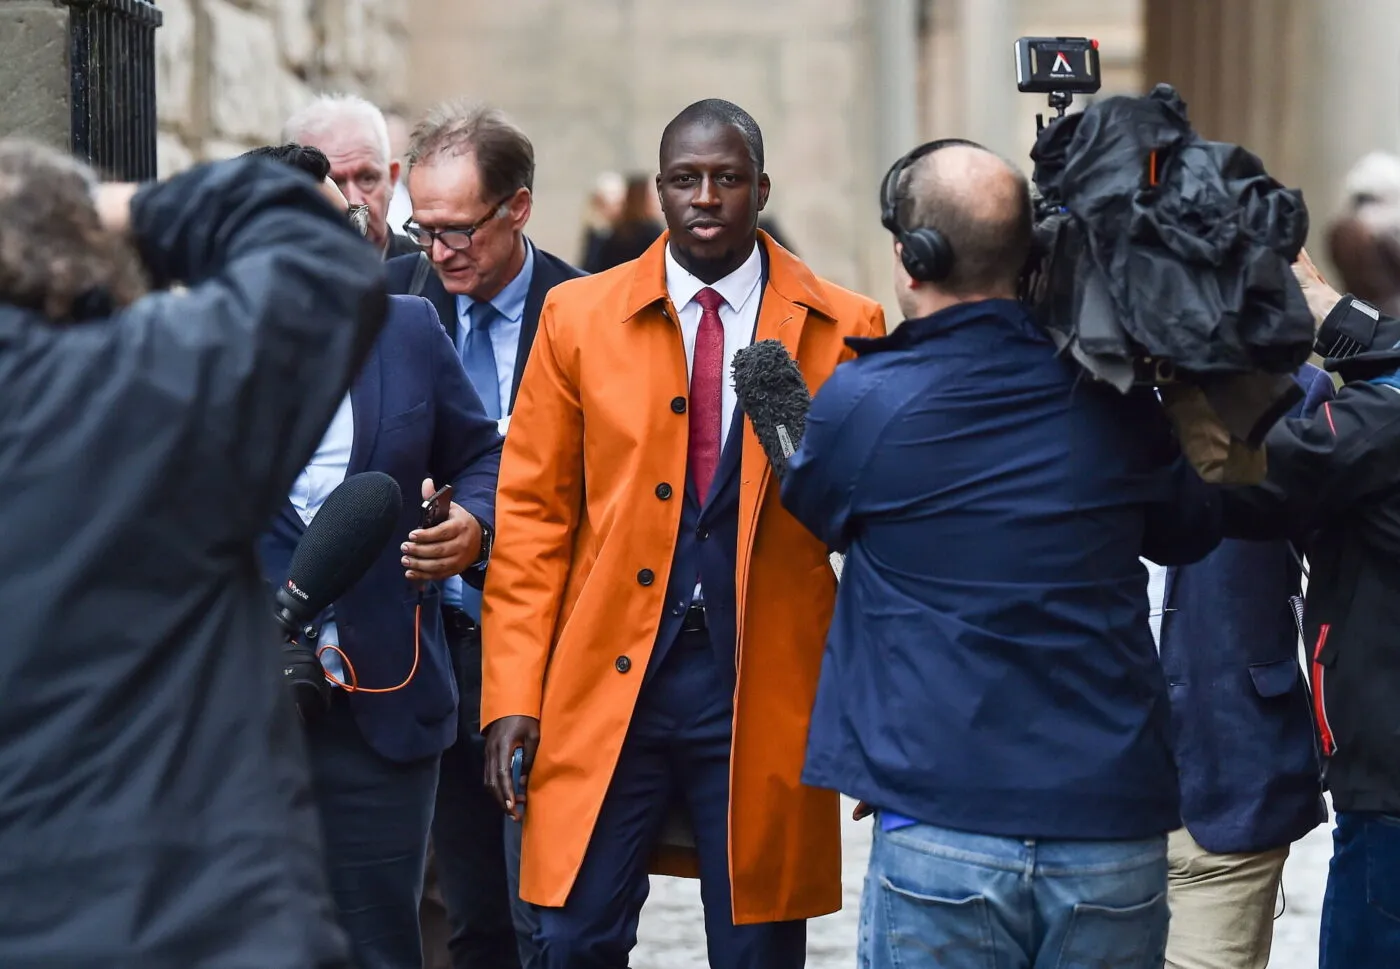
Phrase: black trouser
(469,852)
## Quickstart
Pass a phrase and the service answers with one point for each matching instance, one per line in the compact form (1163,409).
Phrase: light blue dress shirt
(309,492)
(508,313)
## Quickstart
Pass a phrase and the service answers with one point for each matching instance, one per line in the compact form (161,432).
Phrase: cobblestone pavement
(672,933)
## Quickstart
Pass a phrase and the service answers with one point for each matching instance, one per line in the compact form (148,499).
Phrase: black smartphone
(435,508)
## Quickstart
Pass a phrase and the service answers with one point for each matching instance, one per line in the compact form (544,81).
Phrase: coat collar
(787,276)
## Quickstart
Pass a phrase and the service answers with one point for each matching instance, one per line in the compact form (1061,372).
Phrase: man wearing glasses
(470,176)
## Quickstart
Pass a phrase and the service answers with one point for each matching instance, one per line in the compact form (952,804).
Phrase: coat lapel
(540,284)
(445,304)
(365,403)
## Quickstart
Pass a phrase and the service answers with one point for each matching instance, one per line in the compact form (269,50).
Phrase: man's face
(711,193)
(363,173)
(447,194)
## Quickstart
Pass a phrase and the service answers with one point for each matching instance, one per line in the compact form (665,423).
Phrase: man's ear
(394,168)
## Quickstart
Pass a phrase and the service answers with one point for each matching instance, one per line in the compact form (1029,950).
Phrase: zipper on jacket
(1329,744)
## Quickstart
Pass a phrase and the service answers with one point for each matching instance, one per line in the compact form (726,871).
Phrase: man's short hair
(505,158)
(56,257)
(329,111)
(714,111)
(989,253)
(304,158)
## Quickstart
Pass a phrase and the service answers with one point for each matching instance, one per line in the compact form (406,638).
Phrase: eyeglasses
(455,237)
(358,217)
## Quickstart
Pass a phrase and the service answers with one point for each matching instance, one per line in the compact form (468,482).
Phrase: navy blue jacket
(549,272)
(1242,728)
(990,667)
(416,416)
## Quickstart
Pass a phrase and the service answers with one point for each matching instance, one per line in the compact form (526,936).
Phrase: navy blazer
(416,416)
(1242,728)
(550,271)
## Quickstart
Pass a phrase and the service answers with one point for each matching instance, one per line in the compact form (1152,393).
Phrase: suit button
(623,664)
(702,533)
(678,404)
(663,491)
(646,577)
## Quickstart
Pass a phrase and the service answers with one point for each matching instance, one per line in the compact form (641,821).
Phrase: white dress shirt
(738,314)
(317,480)
(1156,596)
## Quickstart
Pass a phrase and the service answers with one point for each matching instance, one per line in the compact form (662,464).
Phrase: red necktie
(706,403)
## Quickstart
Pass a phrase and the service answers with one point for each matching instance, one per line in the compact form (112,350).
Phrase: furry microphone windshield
(773,395)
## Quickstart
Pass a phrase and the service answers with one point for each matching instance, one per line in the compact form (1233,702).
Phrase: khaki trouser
(1222,905)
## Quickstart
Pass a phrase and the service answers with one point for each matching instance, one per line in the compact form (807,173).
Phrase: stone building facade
(840,87)
(229,72)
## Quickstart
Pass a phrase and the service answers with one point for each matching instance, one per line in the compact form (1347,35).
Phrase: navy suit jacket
(416,416)
(549,272)
(1242,728)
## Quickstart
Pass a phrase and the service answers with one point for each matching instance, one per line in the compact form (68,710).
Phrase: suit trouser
(1361,908)
(677,747)
(1222,905)
(375,814)
(469,844)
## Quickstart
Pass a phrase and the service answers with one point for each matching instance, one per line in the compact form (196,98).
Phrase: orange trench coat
(578,518)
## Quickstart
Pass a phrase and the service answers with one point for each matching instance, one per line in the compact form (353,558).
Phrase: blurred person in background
(634,229)
(353,134)
(604,207)
(375,754)
(471,172)
(156,809)
(1364,242)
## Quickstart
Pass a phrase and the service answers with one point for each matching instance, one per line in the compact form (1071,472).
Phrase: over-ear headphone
(926,254)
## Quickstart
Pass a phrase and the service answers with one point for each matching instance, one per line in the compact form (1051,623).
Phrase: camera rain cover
(1166,246)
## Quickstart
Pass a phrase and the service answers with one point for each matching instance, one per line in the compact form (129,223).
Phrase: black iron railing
(112,62)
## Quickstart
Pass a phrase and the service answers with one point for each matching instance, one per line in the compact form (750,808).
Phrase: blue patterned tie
(480,360)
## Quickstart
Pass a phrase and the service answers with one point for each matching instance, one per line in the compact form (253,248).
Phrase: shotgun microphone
(773,395)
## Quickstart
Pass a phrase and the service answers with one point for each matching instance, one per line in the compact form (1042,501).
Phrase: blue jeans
(953,900)
(1361,909)
(375,815)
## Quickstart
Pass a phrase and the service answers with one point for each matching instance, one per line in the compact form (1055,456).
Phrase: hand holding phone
(435,508)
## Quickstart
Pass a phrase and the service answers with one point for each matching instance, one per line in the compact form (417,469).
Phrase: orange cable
(353,686)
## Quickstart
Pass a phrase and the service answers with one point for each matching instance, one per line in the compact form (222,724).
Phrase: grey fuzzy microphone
(773,395)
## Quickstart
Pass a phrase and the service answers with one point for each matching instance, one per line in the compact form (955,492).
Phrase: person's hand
(113,203)
(862,811)
(444,550)
(1320,296)
(503,736)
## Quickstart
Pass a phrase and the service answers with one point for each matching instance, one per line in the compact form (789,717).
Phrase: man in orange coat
(654,618)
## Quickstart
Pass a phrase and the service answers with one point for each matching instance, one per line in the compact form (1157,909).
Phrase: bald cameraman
(990,685)
(155,804)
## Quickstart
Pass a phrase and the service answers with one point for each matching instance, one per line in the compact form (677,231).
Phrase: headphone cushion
(926,255)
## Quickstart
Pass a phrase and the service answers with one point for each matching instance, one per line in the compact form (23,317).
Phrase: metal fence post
(112,64)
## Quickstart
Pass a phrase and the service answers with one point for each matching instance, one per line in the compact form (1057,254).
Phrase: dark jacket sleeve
(819,488)
(1320,467)
(466,448)
(1183,522)
(283,301)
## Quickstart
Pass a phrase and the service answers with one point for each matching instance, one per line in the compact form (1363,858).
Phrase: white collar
(737,288)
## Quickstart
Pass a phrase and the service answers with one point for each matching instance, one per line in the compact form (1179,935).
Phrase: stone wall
(230,72)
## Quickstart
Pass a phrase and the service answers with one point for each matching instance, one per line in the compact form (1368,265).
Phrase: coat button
(702,533)
(678,404)
(663,491)
(646,577)
(623,664)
